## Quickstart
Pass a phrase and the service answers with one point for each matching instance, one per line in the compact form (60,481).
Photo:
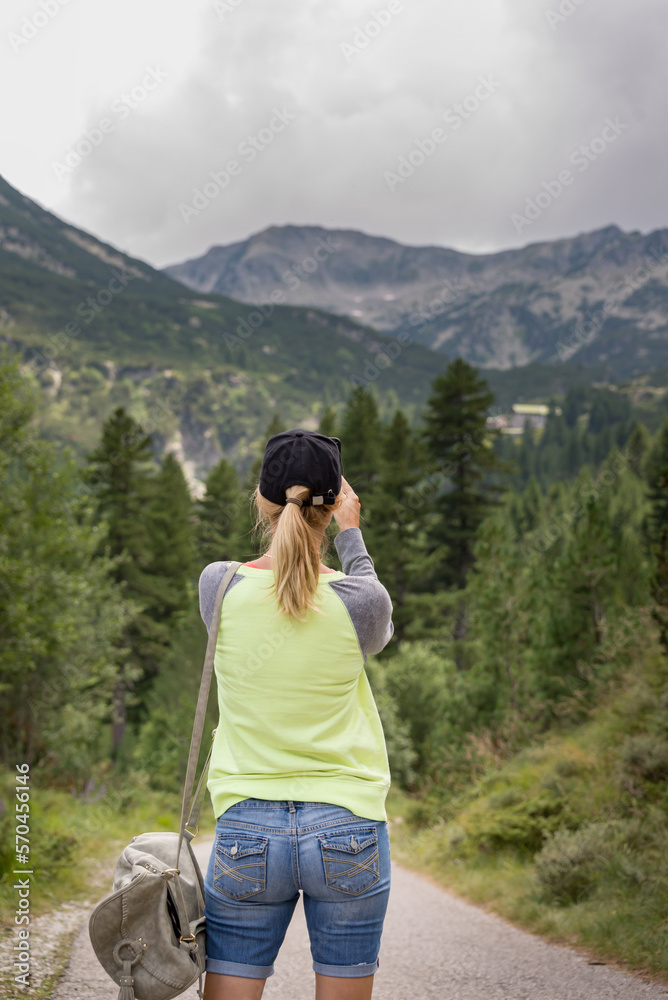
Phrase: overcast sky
(428,121)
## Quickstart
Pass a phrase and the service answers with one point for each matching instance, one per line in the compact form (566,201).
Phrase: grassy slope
(482,844)
(75,842)
(65,830)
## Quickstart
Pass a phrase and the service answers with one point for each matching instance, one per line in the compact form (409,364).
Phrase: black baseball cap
(301,457)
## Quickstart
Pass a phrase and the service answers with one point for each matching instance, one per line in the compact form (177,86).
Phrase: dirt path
(435,947)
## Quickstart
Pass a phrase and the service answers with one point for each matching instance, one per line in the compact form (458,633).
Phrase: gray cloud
(357,114)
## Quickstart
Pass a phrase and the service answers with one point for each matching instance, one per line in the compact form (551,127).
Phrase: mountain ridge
(99,329)
(500,310)
(205,374)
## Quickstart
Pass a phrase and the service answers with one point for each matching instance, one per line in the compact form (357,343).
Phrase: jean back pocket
(351,859)
(240,865)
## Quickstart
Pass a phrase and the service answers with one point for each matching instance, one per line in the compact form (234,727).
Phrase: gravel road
(435,947)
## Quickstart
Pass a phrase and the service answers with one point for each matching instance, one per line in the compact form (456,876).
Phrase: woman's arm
(367,600)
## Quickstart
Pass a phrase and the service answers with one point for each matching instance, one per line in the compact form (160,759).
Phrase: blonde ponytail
(298,544)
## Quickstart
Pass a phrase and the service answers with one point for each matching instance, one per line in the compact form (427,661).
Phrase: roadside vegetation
(524,695)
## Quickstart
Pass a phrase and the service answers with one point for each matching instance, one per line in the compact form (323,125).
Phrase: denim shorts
(264,853)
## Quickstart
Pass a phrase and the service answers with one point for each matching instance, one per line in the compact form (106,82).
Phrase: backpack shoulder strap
(200,711)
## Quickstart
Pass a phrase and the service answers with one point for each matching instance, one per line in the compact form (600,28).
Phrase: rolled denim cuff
(236,969)
(346,971)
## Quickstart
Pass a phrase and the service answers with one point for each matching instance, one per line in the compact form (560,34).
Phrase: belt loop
(291,805)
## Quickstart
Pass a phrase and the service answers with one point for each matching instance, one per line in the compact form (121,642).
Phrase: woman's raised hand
(348,514)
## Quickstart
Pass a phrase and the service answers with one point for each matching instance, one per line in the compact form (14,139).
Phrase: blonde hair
(298,543)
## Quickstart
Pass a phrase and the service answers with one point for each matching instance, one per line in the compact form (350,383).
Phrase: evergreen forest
(524,695)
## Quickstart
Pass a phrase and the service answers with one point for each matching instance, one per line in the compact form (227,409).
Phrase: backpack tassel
(127,988)
(126,979)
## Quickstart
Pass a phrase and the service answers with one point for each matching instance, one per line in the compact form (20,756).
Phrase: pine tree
(555,428)
(170,569)
(499,619)
(61,614)
(657,527)
(637,448)
(608,408)
(248,539)
(328,422)
(360,440)
(394,518)
(527,454)
(218,515)
(171,531)
(575,403)
(525,508)
(574,590)
(119,472)
(603,444)
(464,466)
(276,426)
(574,453)
(118,477)
(550,457)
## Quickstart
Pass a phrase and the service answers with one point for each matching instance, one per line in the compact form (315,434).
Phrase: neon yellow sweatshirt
(297,716)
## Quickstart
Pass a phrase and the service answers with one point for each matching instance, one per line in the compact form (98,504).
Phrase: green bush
(400,751)
(160,752)
(512,818)
(645,756)
(570,862)
(50,850)
(422,813)
(53,851)
(418,679)
(568,767)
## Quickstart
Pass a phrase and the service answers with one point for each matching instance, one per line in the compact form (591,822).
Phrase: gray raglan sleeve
(209,582)
(367,600)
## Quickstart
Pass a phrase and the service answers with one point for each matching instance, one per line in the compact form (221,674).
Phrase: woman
(299,772)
